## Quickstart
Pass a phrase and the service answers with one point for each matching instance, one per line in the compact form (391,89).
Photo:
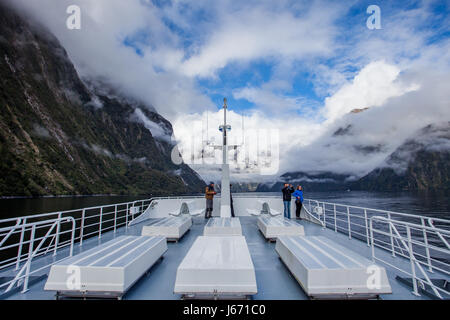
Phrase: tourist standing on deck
(287,191)
(209,195)
(298,195)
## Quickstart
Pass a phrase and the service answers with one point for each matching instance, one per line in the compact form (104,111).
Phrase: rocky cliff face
(421,163)
(57,136)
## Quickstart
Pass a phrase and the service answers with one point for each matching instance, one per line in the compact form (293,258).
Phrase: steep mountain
(421,163)
(244,186)
(59,136)
(319,181)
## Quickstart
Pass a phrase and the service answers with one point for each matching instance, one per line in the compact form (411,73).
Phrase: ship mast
(225,209)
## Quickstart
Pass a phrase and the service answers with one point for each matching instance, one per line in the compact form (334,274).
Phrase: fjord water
(435,205)
(427,204)
(17,207)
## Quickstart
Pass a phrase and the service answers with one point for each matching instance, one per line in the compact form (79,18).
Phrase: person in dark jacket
(287,191)
(298,195)
(209,195)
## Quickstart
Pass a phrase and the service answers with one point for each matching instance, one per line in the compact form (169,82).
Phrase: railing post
(19,252)
(83,215)
(72,235)
(100,224)
(58,227)
(126,217)
(348,222)
(367,228)
(412,261)
(30,255)
(430,221)
(115,218)
(324,218)
(427,249)
(335,222)
(372,240)
(391,235)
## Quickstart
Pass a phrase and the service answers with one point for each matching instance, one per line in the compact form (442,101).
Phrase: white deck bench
(273,227)
(326,269)
(223,227)
(216,267)
(107,270)
(173,228)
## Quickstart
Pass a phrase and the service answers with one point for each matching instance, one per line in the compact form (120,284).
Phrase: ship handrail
(243,195)
(346,224)
(116,215)
(407,242)
(24,273)
(430,222)
(40,215)
(317,219)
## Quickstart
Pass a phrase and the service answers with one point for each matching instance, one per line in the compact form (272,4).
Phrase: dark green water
(10,208)
(437,205)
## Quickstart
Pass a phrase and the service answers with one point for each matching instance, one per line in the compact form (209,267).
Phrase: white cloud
(400,72)
(261,32)
(371,87)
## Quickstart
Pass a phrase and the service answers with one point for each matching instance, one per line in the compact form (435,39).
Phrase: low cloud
(41,131)
(156,129)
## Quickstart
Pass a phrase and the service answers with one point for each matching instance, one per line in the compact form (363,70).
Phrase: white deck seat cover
(325,268)
(273,227)
(169,227)
(112,267)
(223,227)
(221,265)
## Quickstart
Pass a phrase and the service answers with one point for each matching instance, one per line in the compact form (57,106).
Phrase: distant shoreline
(147,196)
(69,196)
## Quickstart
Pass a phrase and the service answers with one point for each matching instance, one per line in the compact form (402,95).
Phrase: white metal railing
(417,252)
(19,234)
(314,216)
(354,222)
(23,275)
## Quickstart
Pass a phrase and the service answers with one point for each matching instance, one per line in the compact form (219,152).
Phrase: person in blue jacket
(298,195)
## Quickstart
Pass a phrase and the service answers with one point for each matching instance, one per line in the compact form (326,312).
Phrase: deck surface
(273,279)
